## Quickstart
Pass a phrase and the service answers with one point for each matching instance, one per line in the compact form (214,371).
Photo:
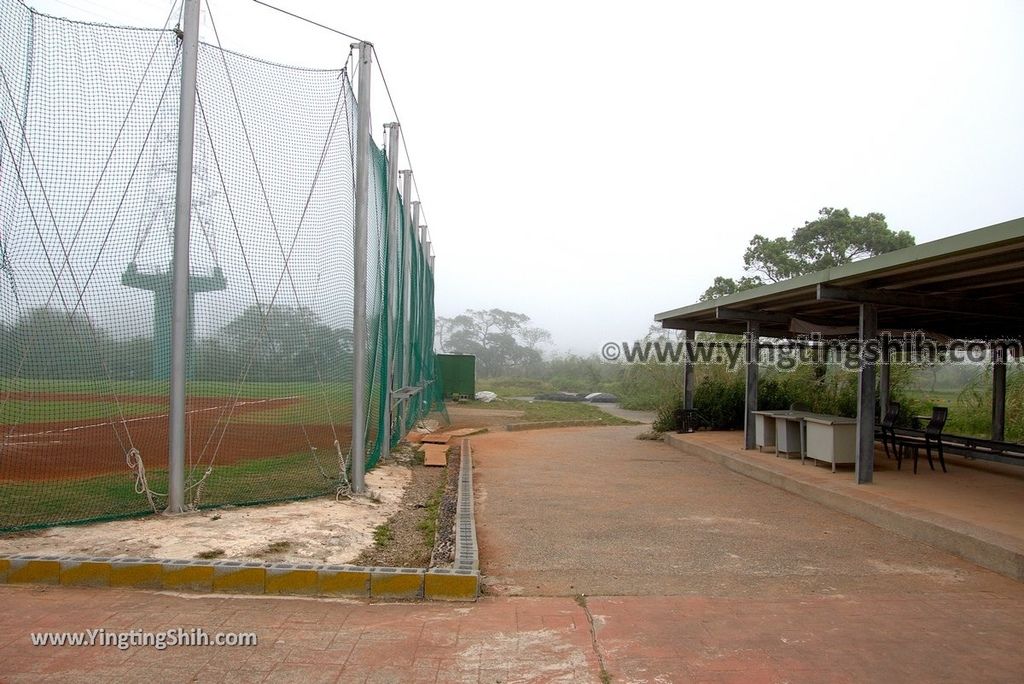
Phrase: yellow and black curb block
(241,577)
(460,583)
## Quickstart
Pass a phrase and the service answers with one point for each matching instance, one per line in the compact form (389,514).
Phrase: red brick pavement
(881,638)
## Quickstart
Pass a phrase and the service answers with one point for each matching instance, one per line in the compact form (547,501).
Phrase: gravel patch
(403,544)
(444,543)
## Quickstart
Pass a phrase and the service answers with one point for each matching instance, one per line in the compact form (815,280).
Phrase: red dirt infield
(98,446)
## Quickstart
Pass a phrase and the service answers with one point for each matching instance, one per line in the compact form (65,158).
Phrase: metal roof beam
(737,328)
(724,313)
(916,300)
(673,324)
(777,318)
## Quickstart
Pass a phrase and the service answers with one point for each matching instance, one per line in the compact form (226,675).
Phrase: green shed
(458,374)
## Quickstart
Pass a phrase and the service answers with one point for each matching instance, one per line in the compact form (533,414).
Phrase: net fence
(88,150)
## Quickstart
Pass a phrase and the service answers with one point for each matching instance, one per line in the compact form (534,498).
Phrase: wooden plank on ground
(435,455)
(414,437)
(436,438)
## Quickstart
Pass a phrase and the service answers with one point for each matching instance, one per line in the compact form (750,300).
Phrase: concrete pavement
(691,573)
(595,511)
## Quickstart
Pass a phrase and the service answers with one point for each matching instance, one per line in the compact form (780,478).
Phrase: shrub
(719,397)
(972,412)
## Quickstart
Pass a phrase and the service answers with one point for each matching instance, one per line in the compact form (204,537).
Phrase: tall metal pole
(414,314)
(392,251)
(406,289)
(179,278)
(426,341)
(359,341)
(407,276)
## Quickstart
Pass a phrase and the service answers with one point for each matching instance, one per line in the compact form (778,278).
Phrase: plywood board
(435,455)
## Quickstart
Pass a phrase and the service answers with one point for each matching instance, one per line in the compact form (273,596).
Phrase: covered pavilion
(963,287)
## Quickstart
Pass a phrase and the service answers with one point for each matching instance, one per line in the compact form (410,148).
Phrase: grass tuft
(382,535)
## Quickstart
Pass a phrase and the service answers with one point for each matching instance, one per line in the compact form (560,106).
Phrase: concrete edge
(467,556)
(983,547)
(542,424)
(242,577)
(460,583)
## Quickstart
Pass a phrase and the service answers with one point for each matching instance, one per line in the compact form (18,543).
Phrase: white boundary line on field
(140,418)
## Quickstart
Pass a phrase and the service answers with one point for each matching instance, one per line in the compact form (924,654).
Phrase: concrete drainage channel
(458,583)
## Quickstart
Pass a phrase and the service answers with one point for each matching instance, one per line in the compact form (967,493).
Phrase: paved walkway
(300,640)
(983,495)
(595,511)
(704,573)
(692,573)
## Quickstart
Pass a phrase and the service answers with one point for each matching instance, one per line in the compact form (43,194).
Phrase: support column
(406,292)
(424,348)
(688,369)
(392,284)
(417,284)
(176,438)
(884,381)
(753,337)
(999,393)
(359,328)
(865,465)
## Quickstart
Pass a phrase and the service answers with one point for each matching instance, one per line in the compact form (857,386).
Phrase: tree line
(286,344)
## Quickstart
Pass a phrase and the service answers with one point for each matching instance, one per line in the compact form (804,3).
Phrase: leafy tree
(286,344)
(834,238)
(502,341)
(48,343)
(727,286)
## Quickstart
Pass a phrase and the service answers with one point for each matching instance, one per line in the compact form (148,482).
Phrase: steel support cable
(67,250)
(308,21)
(57,275)
(49,261)
(266,199)
(401,132)
(252,156)
(277,288)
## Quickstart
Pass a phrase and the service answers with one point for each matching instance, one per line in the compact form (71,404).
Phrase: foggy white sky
(591,164)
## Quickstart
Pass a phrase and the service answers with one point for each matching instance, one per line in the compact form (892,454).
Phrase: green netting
(87,184)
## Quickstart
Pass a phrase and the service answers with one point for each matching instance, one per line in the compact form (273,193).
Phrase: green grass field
(557,410)
(26,504)
(36,504)
(18,411)
(314,404)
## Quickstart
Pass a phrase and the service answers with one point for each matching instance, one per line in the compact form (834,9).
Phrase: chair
(932,437)
(887,427)
(689,420)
